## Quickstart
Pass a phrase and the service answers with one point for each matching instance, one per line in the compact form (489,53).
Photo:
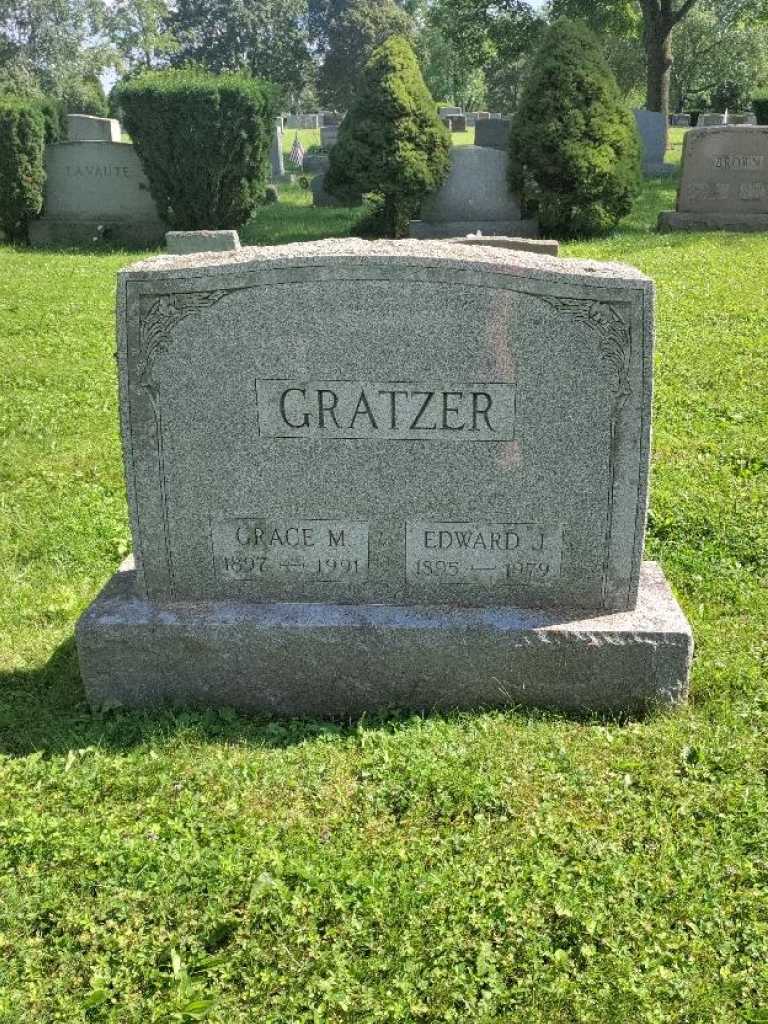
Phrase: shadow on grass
(45,711)
(104,248)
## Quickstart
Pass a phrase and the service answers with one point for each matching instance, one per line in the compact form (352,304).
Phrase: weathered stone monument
(184,242)
(96,190)
(493,132)
(544,246)
(680,120)
(276,159)
(85,128)
(329,136)
(710,120)
(302,121)
(743,118)
(382,475)
(474,197)
(723,181)
(652,128)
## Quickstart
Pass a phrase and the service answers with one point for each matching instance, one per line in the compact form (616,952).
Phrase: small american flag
(297,153)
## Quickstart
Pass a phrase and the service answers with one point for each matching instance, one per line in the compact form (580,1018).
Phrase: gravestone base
(669,220)
(133,234)
(331,660)
(181,243)
(543,246)
(456,229)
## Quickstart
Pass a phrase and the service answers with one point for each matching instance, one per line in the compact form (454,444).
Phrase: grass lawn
(491,867)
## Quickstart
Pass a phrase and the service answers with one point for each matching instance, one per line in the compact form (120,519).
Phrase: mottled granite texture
(723,181)
(96,190)
(340,661)
(474,197)
(652,129)
(544,246)
(181,243)
(493,132)
(393,474)
(86,128)
(225,359)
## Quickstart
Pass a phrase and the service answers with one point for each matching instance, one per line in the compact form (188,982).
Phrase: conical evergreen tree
(574,148)
(391,142)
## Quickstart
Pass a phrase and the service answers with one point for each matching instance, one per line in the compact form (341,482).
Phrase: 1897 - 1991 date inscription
(318,550)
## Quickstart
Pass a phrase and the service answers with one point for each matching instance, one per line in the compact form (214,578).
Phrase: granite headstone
(276,159)
(86,128)
(493,132)
(723,181)
(710,120)
(652,128)
(382,475)
(474,197)
(96,190)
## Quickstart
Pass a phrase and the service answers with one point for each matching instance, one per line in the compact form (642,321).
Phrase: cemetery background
(471,867)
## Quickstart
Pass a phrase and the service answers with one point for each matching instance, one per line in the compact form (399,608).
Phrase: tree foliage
(22,135)
(448,74)
(141,32)
(264,37)
(653,22)
(574,150)
(203,141)
(54,40)
(719,62)
(391,142)
(492,37)
(353,35)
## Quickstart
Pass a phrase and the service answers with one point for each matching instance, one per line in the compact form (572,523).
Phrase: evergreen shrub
(203,141)
(760,107)
(85,96)
(574,147)
(22,138)
(391,143)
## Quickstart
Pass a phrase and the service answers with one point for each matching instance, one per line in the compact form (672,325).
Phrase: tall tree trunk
(659,18)
(658,49)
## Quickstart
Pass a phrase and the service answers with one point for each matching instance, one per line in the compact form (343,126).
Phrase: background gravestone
(739,119)
(710,120)
(276,159)
(442,504)
(723,181)
(85,128)
(475,197)
(652,128)
(329,136)
(96,190)
(493,132)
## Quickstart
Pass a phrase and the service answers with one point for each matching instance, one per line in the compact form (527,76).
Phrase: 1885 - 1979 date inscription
(487,554)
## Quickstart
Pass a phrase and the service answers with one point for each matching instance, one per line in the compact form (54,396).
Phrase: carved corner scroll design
(155,327)
(614,341)
(160,319)
(613,337)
